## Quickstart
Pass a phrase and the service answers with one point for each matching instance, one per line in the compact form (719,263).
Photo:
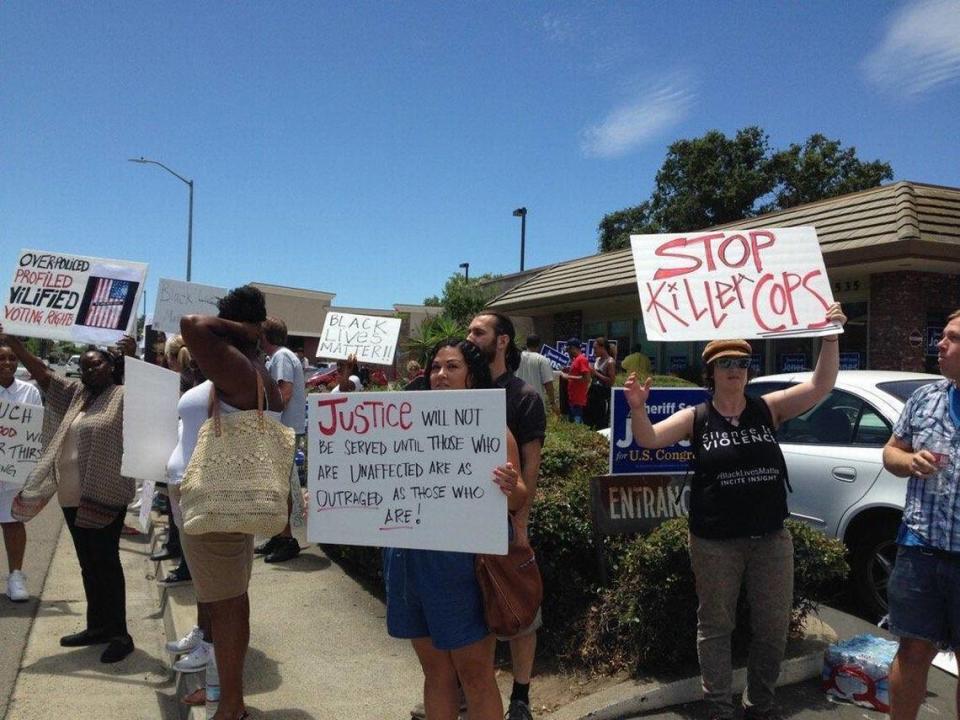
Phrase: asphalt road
(16,619)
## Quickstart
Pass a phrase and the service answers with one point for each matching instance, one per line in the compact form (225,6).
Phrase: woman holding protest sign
(433,597)
(80,464)
(738,503)
(226,349)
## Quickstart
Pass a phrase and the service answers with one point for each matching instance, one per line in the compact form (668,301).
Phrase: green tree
(714,179)
(462,298)
(820,169)
(616,227)
(430,332)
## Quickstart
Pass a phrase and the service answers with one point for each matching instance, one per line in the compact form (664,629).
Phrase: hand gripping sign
(761,283)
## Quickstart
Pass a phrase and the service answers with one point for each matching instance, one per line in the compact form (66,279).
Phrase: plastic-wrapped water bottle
(857,670)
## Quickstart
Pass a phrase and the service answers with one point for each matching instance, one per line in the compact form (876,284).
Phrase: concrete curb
(178,605)
(630,699)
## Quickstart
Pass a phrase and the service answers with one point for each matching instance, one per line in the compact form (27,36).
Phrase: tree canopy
(462,299)
(714,179)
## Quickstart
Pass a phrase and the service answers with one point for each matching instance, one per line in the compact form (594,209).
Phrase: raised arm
(666,432)
(37,368)
(787,404)
(210,341)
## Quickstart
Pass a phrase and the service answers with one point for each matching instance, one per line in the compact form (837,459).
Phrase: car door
(834,455)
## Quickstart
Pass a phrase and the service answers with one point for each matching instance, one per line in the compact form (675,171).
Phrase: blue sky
(367,149)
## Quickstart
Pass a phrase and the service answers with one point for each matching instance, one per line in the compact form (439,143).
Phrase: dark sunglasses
(733,362)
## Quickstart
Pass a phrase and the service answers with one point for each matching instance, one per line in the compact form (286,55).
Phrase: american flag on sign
(106,304)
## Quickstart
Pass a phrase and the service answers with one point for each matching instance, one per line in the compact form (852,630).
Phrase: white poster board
(73,297)
(150,397)
(176,298)
(20,429)
(769,282)
(408,470)
(371,339)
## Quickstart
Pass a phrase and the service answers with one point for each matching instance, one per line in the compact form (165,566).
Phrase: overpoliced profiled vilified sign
(408,470)
(369,338)
(73,297)
(768,282)
(20,429)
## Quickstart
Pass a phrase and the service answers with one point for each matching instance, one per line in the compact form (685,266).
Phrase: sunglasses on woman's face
(733,362)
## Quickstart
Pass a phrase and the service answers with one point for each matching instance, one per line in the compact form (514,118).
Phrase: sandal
(201,696)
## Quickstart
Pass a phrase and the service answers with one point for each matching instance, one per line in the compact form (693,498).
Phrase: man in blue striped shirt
(924,588)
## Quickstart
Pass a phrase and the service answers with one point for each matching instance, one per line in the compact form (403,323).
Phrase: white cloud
(921,49)
(629,126)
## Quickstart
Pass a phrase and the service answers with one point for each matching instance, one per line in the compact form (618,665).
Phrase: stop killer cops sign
(408,470)
(738,283)
(626,456)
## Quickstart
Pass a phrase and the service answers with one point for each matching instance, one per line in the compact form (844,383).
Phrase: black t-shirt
(526,417)
(738,487)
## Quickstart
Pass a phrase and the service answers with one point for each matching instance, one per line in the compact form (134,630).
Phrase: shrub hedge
(644,616)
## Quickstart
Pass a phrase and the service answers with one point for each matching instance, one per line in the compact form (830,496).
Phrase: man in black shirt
(494,334)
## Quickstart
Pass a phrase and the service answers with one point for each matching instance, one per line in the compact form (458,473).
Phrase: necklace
(732,419)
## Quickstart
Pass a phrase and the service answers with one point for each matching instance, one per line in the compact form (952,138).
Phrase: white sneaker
(17,587)
(188,643)
(196,660)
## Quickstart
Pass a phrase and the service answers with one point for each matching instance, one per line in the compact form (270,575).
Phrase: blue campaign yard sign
(793,362)
(849,361)
(558,360)
(933,339)
(628,458)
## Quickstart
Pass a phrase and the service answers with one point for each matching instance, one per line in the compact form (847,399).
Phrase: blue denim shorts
(434,594)
(924,597)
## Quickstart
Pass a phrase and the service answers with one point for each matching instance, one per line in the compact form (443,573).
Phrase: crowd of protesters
(239,361)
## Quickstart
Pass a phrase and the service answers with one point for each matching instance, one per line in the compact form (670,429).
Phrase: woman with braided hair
(80,464)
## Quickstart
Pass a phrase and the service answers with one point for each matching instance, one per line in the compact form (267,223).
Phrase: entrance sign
(626,456)
(150,398)
(370,339)
(73,297)
(622,504)
(176,298)
(761,283)
(20,429)
(408,470)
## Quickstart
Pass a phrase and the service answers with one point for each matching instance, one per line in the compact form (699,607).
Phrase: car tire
(871,562)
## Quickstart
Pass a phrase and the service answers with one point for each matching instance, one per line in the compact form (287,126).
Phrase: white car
(834,460)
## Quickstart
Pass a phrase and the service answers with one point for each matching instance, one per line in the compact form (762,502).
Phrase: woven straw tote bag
(238,478)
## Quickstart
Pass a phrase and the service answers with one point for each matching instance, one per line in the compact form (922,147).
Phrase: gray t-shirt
(535,370)
(284,365)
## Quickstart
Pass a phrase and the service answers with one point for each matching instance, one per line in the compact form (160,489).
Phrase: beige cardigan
(103,491)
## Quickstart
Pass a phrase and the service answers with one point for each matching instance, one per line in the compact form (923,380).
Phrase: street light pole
(466,271)
(189,183)
(522,214)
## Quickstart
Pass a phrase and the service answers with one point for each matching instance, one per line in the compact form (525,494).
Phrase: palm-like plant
(430,332)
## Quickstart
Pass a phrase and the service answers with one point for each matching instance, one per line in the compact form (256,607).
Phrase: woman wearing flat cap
(738,503)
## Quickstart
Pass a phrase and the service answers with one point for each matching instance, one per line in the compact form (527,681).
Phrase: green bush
(647,619)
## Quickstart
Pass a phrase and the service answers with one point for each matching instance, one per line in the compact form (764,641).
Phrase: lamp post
(189,183)
(522,214)
(466,271)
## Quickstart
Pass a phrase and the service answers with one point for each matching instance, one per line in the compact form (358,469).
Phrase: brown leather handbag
(512,587)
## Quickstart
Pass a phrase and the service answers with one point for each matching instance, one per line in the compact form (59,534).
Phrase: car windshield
(903,389)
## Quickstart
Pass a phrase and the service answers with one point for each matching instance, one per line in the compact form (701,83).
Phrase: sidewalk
(56,682)
(319,647)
